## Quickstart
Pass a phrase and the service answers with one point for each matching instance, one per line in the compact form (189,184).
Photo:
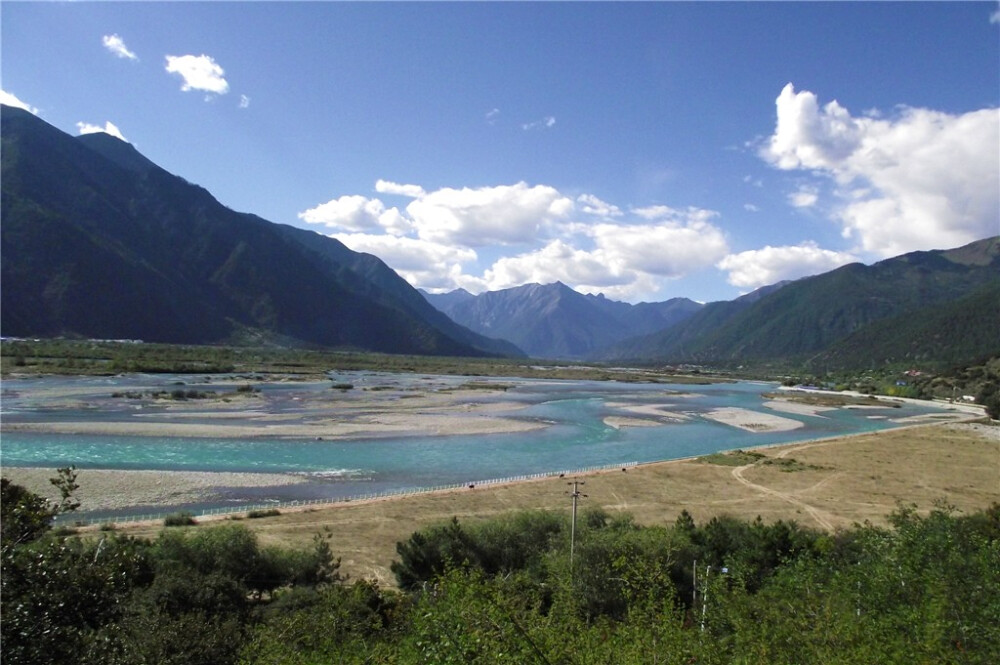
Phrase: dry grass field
(825,484)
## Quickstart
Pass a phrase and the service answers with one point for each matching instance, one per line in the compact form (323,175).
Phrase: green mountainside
(99,242)
(951,333)
(934,306)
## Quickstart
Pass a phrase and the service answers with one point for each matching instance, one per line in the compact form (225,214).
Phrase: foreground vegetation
(923,589)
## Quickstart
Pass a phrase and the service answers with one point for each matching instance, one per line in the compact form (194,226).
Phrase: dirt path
(815,513)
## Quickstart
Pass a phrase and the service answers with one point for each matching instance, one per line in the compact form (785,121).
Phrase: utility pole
(694,586)
(572,532)
(704,598)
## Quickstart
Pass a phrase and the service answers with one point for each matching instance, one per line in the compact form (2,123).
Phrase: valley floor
(829,484)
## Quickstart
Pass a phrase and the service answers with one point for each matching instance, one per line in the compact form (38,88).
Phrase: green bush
(267,512)
(183,518)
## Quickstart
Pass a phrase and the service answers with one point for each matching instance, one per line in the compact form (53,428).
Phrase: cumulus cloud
(356,213)
(200,72)
(557,261)
(467,217)
(760,267)
(592,205)
(10,99)
(622,260)
(244,102)
(422,263)
(476,217)
(108,128)
(804,197)
(923,179)
(530,234)
(387,187)
(667,248)
(116,45)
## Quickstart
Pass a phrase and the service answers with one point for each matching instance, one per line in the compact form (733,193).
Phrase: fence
(278,505)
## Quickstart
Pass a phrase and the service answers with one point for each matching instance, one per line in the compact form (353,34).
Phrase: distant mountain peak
(555,321)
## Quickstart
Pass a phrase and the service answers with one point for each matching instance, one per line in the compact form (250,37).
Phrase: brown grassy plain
(825,484)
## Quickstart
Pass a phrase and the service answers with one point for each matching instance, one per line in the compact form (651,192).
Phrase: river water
(575,436)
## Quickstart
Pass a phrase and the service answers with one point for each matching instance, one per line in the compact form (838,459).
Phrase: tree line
(926,588)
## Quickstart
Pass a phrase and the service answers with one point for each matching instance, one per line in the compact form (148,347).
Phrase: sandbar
(658,410)
(618,422)
(370,426)
(799,408)
(106,490)
(753,421)
(329,415)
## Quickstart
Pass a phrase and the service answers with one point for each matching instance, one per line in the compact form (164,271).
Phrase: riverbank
(107,490)
(828,483)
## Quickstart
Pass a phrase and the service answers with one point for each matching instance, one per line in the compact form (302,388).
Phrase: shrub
(183,518)
(268,512)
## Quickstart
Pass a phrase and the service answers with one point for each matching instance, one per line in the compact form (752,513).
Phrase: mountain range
(940,306)
(554,321)
(97,241)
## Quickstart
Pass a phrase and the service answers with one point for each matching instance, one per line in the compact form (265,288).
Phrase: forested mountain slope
(98,241)
(893,310)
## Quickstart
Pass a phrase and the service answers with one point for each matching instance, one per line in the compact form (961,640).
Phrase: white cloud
(557,261)
(108,128)
(625,260)
(658,212)
(244,102)
(200,72)
(995,17)
(10,99)
(548,122)
(421,263)
(595,206)
(804,197)
(667,248)
(387,187)
(356,213)
(809,138)
(116,45)
(749,207)
(492,115)
(504,214)
(760,267)
(431,243)
(921,180)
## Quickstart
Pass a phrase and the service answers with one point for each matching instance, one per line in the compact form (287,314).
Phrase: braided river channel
(253,424)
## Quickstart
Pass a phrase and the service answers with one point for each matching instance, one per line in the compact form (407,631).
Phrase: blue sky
(642,150)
